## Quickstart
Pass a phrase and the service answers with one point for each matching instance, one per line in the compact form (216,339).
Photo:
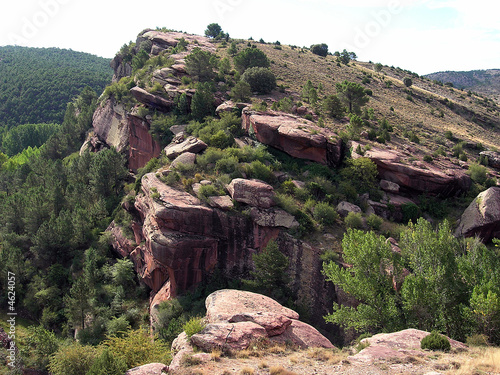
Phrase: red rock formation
(236,318)
(150,100)
(129,134)
(253,192)
(445,178)
(294,135)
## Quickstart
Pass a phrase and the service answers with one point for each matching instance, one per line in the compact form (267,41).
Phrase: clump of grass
(247,371)
(193,326)
(280,370)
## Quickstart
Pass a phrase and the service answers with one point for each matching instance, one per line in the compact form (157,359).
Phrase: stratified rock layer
(482,217)
(236,318)
(294,135)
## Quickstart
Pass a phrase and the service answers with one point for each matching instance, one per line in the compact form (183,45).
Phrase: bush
(241,92)
(354,220)
(107,364)
(407,81)
(477,340)
(374,222)
(325,214)
(410,212)
(261,80)
(74,359)
(193,326)
(478,173)
(435,341)
(320,49)
(251,58)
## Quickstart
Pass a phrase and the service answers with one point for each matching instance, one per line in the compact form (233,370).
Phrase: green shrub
(250,58)
(227,165)
(207,191)
(435,341)
(478,173)
(257,169)
(410,212)
(361,174)
(428,158)
(241,92)
(261,80)
(325,214)
(107,364)
(374,222)
(286,202)
(74,359)
(477,340)
(354,220)
(193,326)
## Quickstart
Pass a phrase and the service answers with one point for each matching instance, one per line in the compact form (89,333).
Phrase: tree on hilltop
(320,49)
(251,58)
(213,30)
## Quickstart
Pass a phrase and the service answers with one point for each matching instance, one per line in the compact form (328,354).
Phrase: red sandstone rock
(235,336)
(303,335)
(273,217)
(127,133)
(343,208)
(294,135)
(252,192)
(482,217)
(153,101)
(181,145)
(394,345)
(222,202)
(149,369)
(445,178)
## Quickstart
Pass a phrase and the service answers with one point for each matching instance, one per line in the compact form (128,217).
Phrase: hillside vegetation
(56,203)
(37,83)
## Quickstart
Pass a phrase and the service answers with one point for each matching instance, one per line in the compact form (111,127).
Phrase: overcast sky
(423,36)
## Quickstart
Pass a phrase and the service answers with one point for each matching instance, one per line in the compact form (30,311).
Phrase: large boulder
(236,318)
(396,345)
(252,192)
(294,135)
(149,369)
(482,217)
(180,145)
(493,158)
(273,217)
(440,177)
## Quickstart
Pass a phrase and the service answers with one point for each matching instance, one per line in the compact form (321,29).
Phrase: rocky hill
(486,82)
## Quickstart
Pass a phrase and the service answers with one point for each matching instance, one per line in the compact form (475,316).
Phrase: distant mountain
(37,83)
(481,81)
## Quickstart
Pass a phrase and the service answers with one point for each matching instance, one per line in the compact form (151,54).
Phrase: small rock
(222,202)
(389,186)
(149,369)
(190,144)
(187,158)
(343,208)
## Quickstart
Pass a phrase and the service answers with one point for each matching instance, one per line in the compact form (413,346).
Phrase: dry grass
(215,354)
(280,370)
(247,371)
(331,356)
(485,360)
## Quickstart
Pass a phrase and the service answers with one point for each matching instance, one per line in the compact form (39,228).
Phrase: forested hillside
(37,83)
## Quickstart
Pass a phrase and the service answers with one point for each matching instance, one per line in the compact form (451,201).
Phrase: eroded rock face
(236,318)
(400,344)
(127,133)
(294,135)
(150,100)
(482,217)
(493,158)
(252,192)
(440,177)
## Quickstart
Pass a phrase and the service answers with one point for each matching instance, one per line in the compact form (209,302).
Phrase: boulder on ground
(493,158)
(482,217)
(252,192)
(343,208)
(180,145)
(149,369)
(153,101)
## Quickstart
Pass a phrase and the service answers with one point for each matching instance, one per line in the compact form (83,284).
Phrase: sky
(423,36)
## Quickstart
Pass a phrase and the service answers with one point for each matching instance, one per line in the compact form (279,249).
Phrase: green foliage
(37,83)
(203,102)
(309,93)
(407,81)
(320,49)
(201,64)
(478,173)
(378,67)
(21,137)
(410,212)
(241,92)
(270,273)
(378,308)
(361,173)
(107,364)
(435,341)
(250,58)
(193,326)
(325,214)
(374,221)
(213,30)
(333,106)
(353,96)
(136,348)
(258,170)
(354,220)
(261,80)
(73,359)
(218,133)
(42,344)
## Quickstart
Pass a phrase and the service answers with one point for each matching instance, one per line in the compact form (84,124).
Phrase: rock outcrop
(294,135)
(252,192)
(396,345)
(237,318)
(441,177)
(482,217)
(181,144)
(149,369)
(152,101)
(129,134)
(493,158)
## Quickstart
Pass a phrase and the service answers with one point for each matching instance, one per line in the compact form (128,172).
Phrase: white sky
(423,36)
